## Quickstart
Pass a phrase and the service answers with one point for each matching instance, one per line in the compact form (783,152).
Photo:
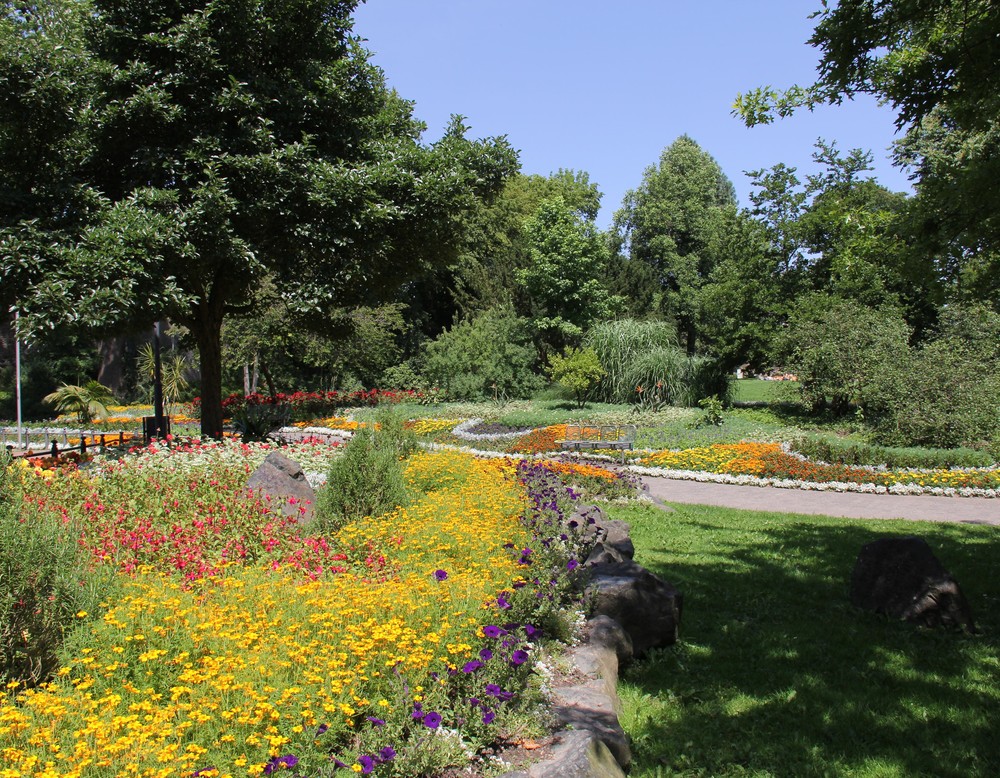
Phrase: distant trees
(674,222)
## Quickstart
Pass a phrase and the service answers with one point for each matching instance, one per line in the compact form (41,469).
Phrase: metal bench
(581,437)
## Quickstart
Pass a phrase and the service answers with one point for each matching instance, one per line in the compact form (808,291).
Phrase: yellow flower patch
(234,670)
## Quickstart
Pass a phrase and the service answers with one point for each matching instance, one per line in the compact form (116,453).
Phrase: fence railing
(52,441)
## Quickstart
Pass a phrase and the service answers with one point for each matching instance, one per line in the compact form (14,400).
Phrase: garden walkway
(963,510)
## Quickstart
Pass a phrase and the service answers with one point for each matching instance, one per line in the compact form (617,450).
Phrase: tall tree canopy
(199,146)
(673,223)
(937,62)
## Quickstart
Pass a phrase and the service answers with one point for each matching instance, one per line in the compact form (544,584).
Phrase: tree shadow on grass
(777,674)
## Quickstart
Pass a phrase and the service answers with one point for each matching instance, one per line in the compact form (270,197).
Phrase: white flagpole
(17,374)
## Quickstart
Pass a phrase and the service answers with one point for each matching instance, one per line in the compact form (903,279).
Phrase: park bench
(588,437)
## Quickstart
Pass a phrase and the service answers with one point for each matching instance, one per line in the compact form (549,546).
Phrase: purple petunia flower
(367,764)
(322,728)
(387,754)
(486,655)
(488,716)
(441,575)
(376,721)
(493,690)
(472,666)
(492,632)
(502,601)
(432,720)
(530,631)
(288,760)
(572,564)
(338,763)
(519,657)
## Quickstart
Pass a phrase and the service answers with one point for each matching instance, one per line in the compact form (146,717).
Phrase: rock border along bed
(634,611)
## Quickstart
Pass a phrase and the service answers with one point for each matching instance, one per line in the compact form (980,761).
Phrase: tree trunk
(209,338)
(268,380)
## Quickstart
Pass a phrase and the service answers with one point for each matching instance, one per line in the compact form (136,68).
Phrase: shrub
(367,479)
(45,585)
(579,371)
(85,401)
(845,353)
(486,357)
(855,452)
(619,344)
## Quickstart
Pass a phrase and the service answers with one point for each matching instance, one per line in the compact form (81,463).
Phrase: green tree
(938,64)
(226,142)
(578,371)
(568,259)
(672,222)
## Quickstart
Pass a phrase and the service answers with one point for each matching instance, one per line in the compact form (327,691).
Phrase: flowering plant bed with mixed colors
(233,641)
(770,464)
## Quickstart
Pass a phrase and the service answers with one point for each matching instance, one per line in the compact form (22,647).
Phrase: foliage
(936,64)
(256,422)
(367,479)
(619,344)
(174,370)
(833,449)
(46,584)
(712,416)
(754,656)
(562,280)
(478,358)
(951,395)
(202,163)
(674,222)
(578,371)
(844,353)
(85,401)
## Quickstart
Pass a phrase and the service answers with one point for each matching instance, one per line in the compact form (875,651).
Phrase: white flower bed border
(702,476)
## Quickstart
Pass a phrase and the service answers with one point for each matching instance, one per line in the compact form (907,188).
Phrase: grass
(756,390)
(776,674)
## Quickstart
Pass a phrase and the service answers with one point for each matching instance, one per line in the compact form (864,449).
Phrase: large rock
(283,482)
(902,578)
(647,607)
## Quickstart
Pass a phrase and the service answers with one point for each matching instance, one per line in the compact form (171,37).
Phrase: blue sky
(605,87)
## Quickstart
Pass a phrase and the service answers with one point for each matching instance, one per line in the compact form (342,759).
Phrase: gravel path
(962,510)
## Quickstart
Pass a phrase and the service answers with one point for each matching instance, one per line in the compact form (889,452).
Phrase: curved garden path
(855,505)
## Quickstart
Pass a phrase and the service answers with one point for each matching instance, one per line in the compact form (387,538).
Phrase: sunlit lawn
(777,674)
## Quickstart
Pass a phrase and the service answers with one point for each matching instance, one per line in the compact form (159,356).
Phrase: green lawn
(776,674)
(756,390)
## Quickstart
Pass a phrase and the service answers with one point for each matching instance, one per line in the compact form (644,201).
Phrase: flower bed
(770,464)
(237,644)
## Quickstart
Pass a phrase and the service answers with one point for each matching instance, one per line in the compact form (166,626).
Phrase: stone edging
(634,611)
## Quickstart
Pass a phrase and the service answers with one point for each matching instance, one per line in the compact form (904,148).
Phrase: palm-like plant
(85,401)
(173,371)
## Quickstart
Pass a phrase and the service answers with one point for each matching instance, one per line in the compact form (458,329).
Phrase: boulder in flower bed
(284,483)
(901,578)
